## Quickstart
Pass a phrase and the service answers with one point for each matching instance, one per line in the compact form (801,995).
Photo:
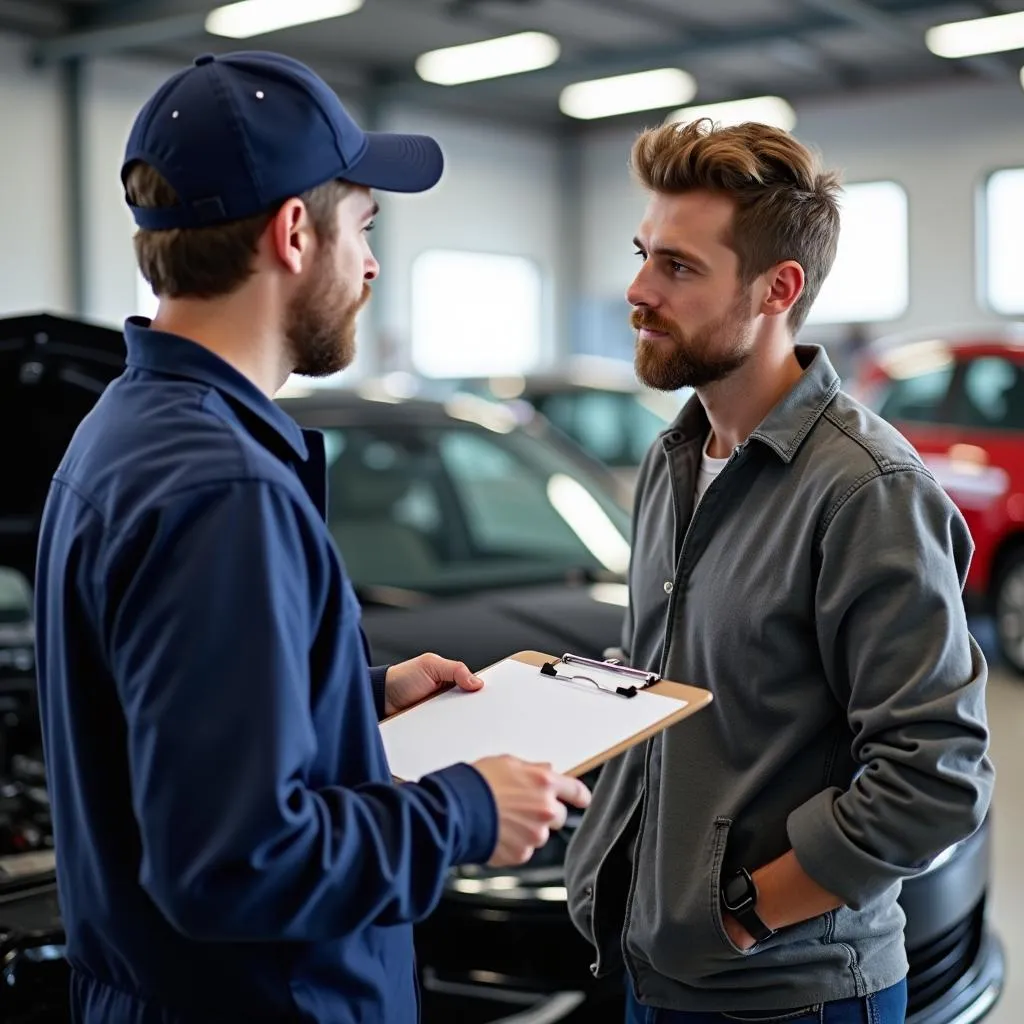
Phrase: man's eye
(370,226)
(640,253)
(678,267)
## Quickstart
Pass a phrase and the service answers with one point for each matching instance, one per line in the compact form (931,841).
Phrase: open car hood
(52,370)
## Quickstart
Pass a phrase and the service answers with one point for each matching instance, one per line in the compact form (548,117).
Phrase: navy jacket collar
(160,352)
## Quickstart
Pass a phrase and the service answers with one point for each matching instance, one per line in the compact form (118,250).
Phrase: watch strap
(748,917)
(743,905)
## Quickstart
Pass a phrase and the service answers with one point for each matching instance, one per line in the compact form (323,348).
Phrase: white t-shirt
(709,469)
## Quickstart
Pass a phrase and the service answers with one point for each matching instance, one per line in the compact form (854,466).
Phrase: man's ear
(290,235)
(785,285)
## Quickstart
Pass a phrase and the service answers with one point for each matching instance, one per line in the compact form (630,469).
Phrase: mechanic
(230,843)
(793,555)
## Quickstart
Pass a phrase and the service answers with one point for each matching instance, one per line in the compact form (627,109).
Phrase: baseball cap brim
(397,163)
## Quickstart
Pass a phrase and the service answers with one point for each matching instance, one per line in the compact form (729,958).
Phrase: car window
(919,398)
(505,504)
(450,509)
(615,427)
(991,395)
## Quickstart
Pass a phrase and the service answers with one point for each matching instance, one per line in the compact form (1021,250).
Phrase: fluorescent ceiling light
(257,17)
(491,58)
(982,35)
(623,94)
(1022,78)
(772,110)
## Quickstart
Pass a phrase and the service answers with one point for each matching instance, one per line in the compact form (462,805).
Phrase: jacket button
(589,892)
(669,586)
(593,970)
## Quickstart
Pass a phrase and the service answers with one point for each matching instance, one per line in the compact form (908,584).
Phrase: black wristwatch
(739,897)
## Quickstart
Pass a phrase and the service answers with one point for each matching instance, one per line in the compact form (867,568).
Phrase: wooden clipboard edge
(695,698)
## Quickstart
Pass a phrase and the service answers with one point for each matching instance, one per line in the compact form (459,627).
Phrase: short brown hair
(787,206)
(204,263)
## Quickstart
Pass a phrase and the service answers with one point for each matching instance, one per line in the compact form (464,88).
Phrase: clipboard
(609,699)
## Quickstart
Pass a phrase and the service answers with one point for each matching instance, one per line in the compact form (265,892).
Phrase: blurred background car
(959,399)
(596,402)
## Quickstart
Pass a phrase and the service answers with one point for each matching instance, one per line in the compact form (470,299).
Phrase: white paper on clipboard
(524,713)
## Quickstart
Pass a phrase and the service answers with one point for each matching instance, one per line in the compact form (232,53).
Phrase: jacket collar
(786,426)
(175,356)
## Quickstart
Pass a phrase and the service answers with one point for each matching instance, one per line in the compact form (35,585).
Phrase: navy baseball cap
(235,135)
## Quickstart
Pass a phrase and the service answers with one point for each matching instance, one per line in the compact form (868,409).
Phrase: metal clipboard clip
(637,676)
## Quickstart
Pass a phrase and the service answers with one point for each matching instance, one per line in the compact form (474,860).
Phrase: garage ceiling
(734,48)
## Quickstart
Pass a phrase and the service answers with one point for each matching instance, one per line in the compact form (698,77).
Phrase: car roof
(959,339)
(373,404)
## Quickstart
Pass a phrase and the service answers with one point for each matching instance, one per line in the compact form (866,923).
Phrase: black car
(467,533)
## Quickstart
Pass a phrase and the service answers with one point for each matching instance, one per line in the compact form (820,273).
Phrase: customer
(230,844)
(793,555)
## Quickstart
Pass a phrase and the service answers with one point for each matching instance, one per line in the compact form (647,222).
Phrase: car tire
(1008,606)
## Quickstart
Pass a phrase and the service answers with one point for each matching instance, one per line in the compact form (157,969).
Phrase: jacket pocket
(720,840)
(676,924)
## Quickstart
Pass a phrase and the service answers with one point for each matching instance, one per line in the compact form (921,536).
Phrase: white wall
(114,90)
(34,265)
(499,194)
(938,143)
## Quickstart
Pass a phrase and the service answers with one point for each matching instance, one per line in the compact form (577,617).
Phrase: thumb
(464,679)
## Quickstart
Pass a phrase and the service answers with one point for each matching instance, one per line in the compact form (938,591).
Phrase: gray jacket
(817,593)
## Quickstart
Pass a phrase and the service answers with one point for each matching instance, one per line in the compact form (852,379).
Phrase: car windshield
(449,509)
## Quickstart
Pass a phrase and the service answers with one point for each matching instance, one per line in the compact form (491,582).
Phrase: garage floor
(1006,718)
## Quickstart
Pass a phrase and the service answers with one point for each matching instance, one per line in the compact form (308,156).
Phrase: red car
(960,402)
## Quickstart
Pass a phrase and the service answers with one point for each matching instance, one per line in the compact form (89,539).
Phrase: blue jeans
(886,1007)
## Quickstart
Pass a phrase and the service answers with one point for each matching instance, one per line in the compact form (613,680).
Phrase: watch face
(737,891)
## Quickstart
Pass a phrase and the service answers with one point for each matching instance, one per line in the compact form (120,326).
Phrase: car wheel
(1009,610)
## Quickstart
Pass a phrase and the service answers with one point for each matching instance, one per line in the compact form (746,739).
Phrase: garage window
(870,279)
(1004,242)
(475,314)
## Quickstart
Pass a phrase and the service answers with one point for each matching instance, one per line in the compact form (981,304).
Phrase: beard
(694,359)
(321,325)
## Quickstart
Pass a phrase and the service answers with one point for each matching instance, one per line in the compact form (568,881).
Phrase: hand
(531,801)
(410,681)
(738,935)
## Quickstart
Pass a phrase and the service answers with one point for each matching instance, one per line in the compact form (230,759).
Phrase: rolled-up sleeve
(897,652)
(209,644)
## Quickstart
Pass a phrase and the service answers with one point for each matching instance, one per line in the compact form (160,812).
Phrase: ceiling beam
(130,35)
(33,18)
(866,16)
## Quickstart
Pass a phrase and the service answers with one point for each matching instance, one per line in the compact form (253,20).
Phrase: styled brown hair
(787,206)
(205,263)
